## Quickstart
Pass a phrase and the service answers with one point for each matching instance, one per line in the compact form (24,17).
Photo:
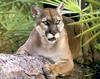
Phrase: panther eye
(58,21)
(45,22)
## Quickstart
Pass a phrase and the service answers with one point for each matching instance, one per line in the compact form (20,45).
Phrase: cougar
(54,39)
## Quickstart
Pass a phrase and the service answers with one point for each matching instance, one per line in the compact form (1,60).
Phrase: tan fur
(59,52)
(63,50)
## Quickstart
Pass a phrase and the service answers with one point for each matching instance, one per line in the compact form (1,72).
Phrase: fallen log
(22,67)
(30,67)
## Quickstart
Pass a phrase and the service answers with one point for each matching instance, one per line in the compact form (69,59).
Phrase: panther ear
(60,8)
(36,11)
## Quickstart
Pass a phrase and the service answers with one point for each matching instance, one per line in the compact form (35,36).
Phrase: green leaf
(89,30)
(93,37)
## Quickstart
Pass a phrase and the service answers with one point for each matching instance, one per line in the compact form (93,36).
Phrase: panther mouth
(52,39)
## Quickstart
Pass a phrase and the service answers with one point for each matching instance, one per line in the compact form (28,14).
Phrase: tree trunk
(30,67)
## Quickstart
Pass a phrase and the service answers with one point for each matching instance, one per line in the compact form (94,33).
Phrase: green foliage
(15,21)
(90,15)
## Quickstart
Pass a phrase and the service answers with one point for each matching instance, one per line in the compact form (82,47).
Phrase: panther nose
(53,31)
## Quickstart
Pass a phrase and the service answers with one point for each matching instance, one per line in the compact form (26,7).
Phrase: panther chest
(54,55)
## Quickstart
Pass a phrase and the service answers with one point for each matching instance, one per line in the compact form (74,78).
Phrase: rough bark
(28,67)
(21,67)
